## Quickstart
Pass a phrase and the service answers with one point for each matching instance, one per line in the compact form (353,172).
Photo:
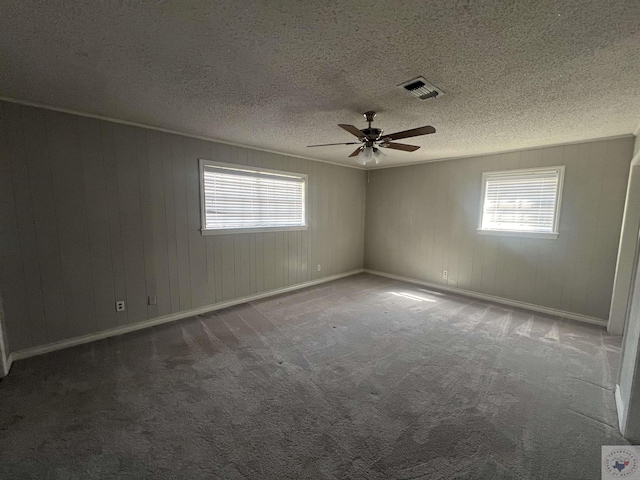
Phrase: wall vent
(422,89)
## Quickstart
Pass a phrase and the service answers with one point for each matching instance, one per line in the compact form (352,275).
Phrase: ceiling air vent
(422,89)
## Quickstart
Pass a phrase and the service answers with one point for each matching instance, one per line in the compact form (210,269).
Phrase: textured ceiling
(282,74)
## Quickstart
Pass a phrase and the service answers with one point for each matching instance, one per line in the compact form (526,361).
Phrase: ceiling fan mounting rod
(370,115)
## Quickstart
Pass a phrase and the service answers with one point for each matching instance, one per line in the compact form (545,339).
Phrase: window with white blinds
(525,202)
(250,199)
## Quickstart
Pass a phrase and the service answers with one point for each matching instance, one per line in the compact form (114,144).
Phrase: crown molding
(166,130)
(501,152)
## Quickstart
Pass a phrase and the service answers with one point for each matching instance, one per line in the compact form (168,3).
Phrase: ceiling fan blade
(400,146)
(329,144)
(414,132)
(352,130)
(356,152)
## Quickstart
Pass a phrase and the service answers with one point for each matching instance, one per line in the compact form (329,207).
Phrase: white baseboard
(31,352)
(491,298)
(622,413)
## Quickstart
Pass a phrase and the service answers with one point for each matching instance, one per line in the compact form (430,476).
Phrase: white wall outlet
(120,306)
(319,267)
(152,299)
(445,275)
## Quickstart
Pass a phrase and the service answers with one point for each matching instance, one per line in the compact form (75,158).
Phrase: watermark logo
(620,461)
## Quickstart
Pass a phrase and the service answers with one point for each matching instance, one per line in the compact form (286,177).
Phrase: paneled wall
(94,211)
(422,219)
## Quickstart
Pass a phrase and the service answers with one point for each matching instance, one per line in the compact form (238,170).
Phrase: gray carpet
(360,378)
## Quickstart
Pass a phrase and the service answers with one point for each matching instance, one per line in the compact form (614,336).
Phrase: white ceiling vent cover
(422,89)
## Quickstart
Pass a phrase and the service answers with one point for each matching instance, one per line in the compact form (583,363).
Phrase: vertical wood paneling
(326,190)
(95,194)
(588,191)
(314,218)
(213,291)
(573,273)
(440,222)
(113,210)
(245,266)
(260,271)
(455,234)
(144,183)
(285,260)
(269,261)
(170,221)
(241,272)
(218,266)
(194,150)
(469,262)
(71,219)
(15,230)
(126,155)
(609,219)
(158,222)
(567,229)
(252,262)
(36,268)
(180,219)
(228,267)
(237,265)
(95,212)
(279,259)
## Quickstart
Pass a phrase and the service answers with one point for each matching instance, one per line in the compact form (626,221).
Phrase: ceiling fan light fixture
(371,138)
(378,155)
(365,156)
(369,155)
(360,159)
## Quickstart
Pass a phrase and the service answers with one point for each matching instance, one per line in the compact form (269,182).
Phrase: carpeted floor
(359,378)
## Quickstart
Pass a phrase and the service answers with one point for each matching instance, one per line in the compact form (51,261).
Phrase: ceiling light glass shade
(360,159)
(378,155)
(370,154)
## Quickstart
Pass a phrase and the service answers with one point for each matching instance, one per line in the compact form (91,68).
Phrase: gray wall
(94,211)
(422,219)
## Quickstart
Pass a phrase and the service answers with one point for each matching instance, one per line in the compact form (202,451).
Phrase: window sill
(231,231)
(510,233)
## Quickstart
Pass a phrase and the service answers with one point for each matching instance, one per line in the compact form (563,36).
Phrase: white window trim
(228,231)
(517,233)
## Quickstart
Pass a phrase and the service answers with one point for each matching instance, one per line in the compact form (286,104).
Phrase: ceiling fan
(370,139)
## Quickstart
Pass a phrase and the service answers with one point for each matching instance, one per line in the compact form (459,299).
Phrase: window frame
(203,163)
(519,233)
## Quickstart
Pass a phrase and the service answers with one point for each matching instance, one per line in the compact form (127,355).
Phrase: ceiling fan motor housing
(372,133)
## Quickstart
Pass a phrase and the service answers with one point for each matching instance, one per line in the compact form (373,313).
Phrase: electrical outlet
(152,299)
(445,275)
(319,267)
(120,306)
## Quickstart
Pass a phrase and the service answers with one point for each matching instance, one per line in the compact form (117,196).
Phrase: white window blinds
(236,198)
(522,200)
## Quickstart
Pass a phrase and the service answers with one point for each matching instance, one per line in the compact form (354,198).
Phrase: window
(521,202)
(238,199)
